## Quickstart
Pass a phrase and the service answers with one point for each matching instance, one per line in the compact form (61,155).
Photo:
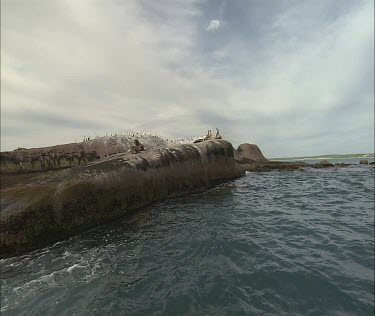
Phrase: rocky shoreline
(58,203)
(45,202)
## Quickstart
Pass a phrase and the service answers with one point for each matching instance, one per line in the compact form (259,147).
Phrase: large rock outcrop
(59,203)
(249,153)
(69,155)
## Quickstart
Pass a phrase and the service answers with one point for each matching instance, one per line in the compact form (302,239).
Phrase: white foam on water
(75,267)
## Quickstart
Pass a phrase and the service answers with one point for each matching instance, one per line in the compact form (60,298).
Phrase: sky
(294,77)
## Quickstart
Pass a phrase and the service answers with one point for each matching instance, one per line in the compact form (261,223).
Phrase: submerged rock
(324,163)
(341,164)
(275,165)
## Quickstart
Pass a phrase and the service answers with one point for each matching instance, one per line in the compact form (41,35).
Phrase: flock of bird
(142,135)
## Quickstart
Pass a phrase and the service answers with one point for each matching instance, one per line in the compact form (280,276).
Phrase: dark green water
(277,243)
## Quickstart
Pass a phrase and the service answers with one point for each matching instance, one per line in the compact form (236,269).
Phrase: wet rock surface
(41,205)
(56,204)
(290,166)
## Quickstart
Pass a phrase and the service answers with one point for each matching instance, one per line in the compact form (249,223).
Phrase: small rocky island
(48,194)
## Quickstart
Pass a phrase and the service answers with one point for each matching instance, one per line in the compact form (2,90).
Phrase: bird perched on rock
(209,135)
(137,147)
(218,136)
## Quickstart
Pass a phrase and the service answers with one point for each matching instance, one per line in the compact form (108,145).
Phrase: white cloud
(213,26)
(71,69)
(118,68)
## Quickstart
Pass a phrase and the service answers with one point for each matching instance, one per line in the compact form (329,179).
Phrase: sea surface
(269,243)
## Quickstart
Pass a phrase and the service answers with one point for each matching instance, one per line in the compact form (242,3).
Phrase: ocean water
(332,159)
(273,243)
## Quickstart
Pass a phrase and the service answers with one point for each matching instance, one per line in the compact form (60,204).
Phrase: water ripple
(275,243)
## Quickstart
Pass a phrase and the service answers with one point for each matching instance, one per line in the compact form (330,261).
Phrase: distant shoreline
(331,156)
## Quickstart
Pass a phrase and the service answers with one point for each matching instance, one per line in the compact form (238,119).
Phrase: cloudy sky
(295,77)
